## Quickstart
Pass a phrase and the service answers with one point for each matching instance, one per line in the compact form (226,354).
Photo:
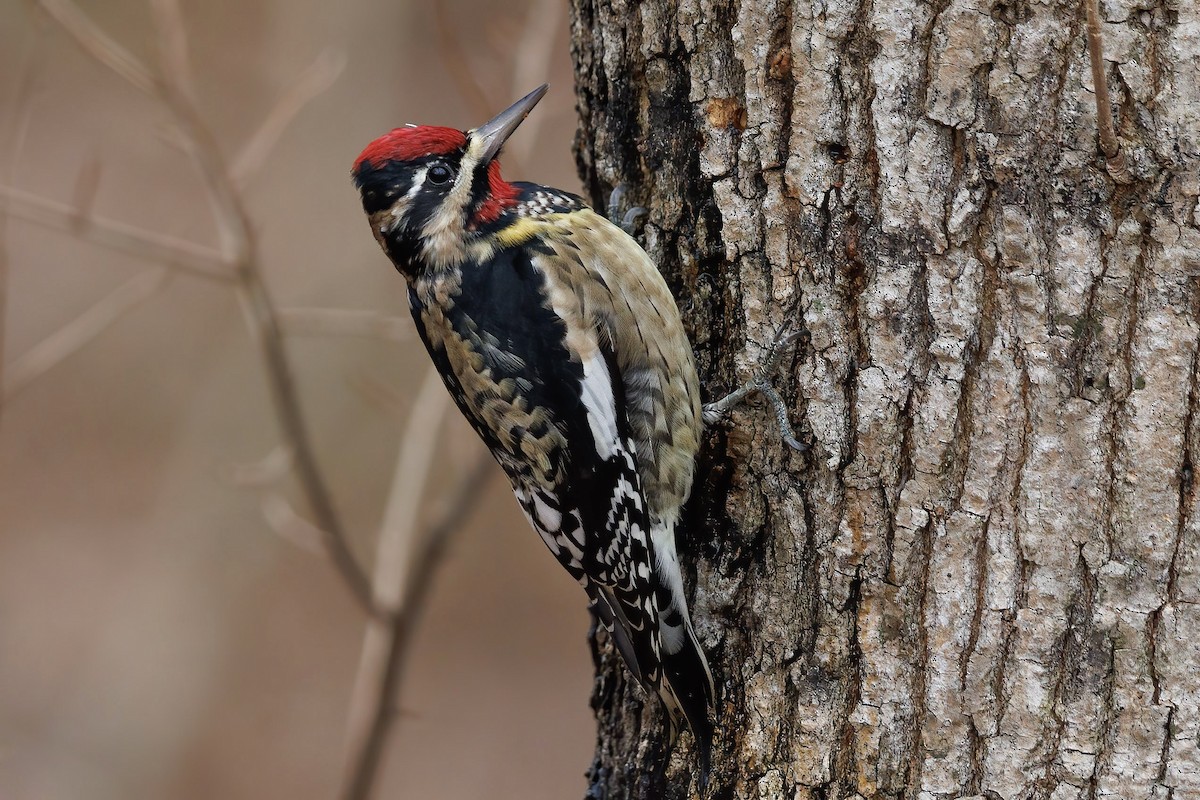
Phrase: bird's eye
(439,173)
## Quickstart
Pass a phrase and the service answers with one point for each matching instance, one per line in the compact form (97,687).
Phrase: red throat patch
(501,195)
(406,144)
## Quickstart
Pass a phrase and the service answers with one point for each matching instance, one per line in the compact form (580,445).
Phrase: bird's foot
(761,384)
(628,220)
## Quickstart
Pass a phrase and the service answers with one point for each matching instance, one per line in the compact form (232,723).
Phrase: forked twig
(399,566)
(99,45)
(407,560)
(16,129)
(291,526)
(194,259)
(237,249)
(389,650)
(311,83)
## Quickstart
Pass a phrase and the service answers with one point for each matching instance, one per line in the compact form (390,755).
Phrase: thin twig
(238,251)
(73,336)
(397,535)
(392,660)
(393,575)
(406,564)
(195,259)
(534,53)
(87,185)
(17,128)
(100,45)
(290,525)
(311,83)
(1111,147)
(172,43)
(267,471)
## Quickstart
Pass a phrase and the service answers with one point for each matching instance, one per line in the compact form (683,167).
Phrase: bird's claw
(628,220)
(761,384)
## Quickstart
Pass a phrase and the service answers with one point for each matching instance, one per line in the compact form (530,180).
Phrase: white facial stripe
(399,211)
(460,194)
(418,182)
(443,232)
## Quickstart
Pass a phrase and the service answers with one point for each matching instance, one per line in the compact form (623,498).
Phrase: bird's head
(428,190)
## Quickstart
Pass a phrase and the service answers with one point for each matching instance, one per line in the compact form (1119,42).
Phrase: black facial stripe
(383,184)
(479,188)
(427,202)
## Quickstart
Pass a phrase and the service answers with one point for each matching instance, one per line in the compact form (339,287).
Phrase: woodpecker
(562,346)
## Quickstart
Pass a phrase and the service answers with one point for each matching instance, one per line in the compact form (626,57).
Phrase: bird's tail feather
(662,651)
(687,688)
(612,617)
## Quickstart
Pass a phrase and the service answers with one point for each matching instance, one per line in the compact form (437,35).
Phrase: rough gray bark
(982,582)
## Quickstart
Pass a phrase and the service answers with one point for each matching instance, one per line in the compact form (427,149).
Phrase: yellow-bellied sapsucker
(563,347)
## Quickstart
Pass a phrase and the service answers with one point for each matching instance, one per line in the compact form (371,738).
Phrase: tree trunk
(982,579)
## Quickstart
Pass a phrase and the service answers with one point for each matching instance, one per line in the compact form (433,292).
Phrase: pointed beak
(495,132)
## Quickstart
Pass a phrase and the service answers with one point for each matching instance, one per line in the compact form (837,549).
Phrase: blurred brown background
(157,638)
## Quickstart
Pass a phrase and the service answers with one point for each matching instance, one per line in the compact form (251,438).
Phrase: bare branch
(195,259)
(173,47)
(314,81)
(293,528)
(344,322)
(397,536)
(83,329)
(1117,164)
(404,572)
(532,62)
(18,126)
(385,656)
(397,541)
(237,249)
(233,225)
(99,45)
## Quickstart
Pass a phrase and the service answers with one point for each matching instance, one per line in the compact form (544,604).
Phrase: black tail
(660,647)
(687,689)
(680,678)
(611,615)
